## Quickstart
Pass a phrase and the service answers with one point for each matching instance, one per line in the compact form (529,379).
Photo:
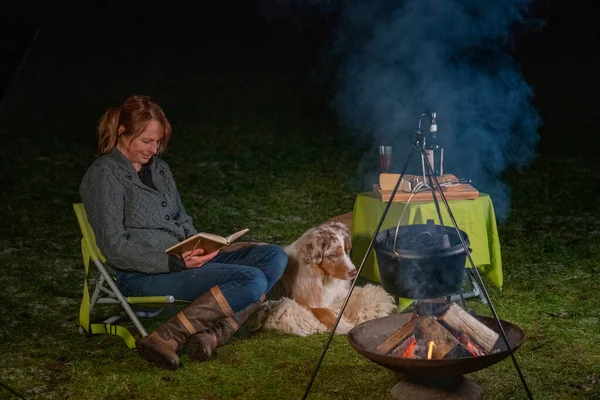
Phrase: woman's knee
(277,259)
(256,288)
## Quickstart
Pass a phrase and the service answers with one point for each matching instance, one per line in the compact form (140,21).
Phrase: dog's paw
(298,332)
(343,327)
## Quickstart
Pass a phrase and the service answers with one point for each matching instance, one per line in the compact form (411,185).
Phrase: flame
(474,349)
(430,350)
(409,352)
(471,346)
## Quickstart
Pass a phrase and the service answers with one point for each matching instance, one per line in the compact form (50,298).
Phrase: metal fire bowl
(367,336)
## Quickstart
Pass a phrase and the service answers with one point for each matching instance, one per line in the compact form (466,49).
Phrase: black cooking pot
(428,262)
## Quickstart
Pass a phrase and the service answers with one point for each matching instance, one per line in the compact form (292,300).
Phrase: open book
(207,241)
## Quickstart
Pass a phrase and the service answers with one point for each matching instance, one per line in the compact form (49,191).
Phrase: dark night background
(84,59)
(560,60)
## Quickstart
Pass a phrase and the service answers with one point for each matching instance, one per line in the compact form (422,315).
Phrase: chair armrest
(151,300)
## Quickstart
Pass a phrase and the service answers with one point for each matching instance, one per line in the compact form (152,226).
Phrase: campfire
(387,341)
(435,346)
(453,334)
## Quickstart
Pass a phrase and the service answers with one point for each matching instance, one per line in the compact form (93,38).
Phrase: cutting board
(461,191)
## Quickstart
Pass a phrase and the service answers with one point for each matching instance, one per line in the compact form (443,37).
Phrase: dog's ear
(347,243)
(313,250)
(345,232)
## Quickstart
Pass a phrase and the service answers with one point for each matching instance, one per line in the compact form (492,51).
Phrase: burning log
(454,334)
(407,349)
(461,321)
(446,345)
(397,337)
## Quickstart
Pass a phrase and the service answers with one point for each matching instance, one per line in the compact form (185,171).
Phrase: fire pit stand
(458,388)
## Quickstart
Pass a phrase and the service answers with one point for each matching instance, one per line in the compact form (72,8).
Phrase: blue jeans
(243,277)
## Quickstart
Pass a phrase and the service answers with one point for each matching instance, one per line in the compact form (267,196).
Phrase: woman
(136,213)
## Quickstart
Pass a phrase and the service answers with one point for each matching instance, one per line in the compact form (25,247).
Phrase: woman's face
(141,149)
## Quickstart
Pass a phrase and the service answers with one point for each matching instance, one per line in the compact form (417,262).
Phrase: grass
(256,147)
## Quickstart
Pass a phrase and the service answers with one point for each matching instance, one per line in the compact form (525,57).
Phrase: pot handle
(424,233)
(415,190)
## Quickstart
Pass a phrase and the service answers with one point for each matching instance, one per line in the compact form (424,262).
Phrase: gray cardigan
(133,223)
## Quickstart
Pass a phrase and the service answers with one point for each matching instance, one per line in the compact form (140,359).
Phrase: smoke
(397,59)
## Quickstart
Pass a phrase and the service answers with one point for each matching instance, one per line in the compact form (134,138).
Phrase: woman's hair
(133,116)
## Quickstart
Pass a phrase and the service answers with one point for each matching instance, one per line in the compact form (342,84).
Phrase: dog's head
(327,247)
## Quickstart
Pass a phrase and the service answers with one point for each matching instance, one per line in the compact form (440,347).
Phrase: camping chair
(107,292)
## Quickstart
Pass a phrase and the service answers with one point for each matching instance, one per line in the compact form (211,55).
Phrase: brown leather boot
(161,346)
(201,345)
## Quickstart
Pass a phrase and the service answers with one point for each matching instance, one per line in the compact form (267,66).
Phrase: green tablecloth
(475,217)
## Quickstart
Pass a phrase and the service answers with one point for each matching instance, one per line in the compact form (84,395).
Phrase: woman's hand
(197,258)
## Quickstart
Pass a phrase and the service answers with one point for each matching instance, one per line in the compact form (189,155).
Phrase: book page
(236,235)
(210,242)
(211,237)
(184,246)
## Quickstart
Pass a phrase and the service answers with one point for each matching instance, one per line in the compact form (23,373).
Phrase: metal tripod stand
(417,140)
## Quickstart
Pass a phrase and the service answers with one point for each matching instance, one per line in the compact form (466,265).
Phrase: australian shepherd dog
(308,297)
(320,271)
